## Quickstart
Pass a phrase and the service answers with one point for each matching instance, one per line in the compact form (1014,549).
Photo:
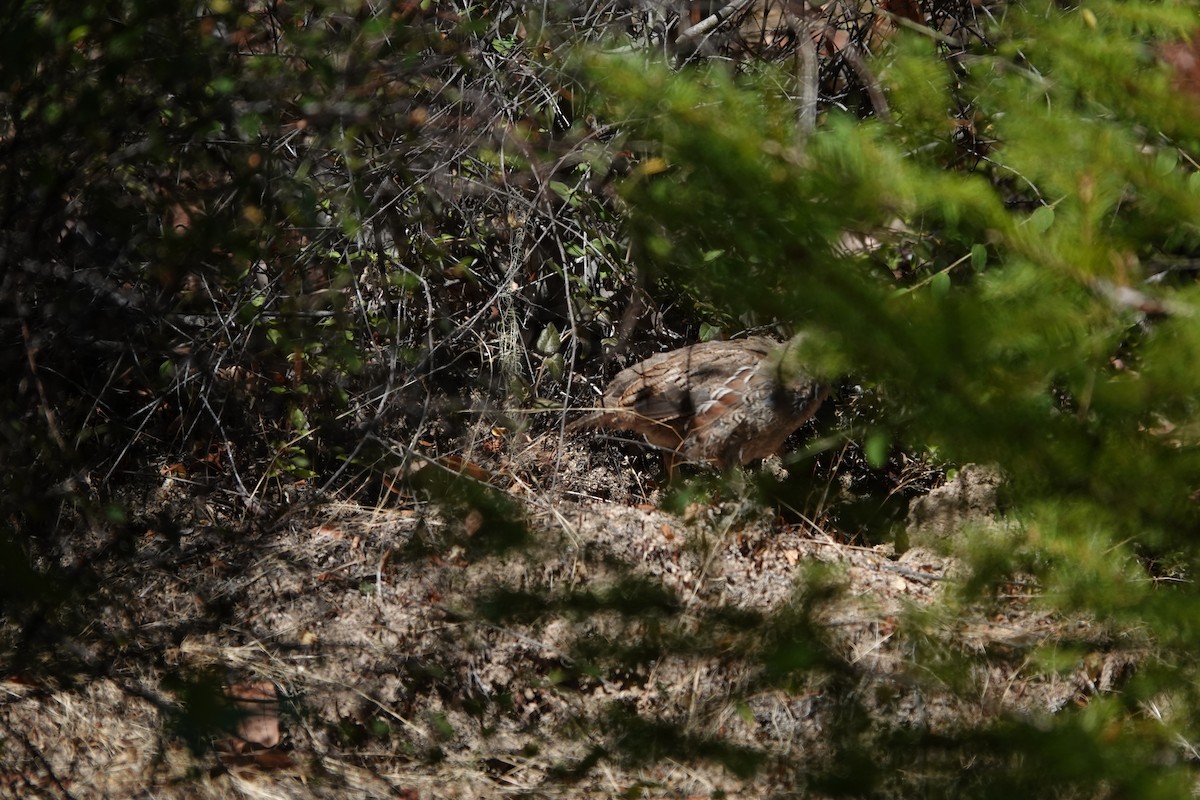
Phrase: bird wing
(674,387)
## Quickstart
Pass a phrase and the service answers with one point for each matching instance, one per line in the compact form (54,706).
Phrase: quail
(721,403)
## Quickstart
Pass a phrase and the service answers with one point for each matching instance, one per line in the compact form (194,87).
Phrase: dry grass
(394,679)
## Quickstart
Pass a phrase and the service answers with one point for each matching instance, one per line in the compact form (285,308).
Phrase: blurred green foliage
(1062,348)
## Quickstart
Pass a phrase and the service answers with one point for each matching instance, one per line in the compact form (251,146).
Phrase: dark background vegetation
(289,252)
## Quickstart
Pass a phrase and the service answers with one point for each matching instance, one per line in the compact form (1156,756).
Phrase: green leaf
(876,449)
(563,190)
(298,419)
(939,285)
(555,365)
(1042,219)
(978,257)
(1165,162)
(549,341)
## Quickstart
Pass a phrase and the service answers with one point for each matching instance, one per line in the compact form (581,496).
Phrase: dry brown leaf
(259,703)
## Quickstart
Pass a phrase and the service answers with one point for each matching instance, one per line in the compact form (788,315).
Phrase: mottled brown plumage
(720,403)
